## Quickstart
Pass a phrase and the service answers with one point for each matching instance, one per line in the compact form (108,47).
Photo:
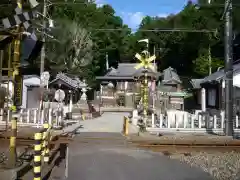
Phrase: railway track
(189,148)
(188,145)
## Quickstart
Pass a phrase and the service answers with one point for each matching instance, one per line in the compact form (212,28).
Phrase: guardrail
(185,122)
(41,153)
(32,117)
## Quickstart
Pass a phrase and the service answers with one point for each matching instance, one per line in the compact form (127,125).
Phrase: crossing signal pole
(145,63)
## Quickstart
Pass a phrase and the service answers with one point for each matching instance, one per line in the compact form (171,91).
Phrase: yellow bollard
(125,126)
(37,156)
(12,146)
(83,117)
(123,130)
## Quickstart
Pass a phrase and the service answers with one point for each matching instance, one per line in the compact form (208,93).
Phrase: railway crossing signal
(145,62)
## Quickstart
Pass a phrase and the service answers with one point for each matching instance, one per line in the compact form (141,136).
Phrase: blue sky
(132,11)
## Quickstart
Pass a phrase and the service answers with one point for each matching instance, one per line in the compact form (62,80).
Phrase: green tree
(181,49)
(95,20)
(204,61)
(73,53)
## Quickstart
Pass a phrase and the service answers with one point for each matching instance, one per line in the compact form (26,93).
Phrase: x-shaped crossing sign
(145,62)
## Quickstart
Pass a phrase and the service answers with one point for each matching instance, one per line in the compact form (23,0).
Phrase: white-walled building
(30,91)
(212,88)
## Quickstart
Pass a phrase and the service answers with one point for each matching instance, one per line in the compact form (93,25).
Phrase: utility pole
(209,59)
(229,69)
(43,36)
(43,52)
(1,64)
(107,63)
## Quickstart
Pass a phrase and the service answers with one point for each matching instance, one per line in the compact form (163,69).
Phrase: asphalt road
(108,122)
(113,159)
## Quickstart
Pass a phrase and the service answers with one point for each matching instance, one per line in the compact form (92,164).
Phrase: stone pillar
(203,99)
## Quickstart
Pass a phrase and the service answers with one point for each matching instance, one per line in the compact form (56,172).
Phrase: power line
(161,30)
(215,5)
(52,3)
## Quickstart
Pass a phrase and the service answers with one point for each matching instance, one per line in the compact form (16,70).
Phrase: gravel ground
(222,166)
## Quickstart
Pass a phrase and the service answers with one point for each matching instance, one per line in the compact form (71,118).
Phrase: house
(30,91)
(70,85)
(26,91)
(127,80)
(170,92)
(121,85)
(210,91)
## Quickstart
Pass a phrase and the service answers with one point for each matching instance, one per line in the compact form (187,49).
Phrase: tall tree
(181,50)
(72,54)
(99,22)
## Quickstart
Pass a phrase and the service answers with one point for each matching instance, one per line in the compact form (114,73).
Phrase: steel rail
(190,148)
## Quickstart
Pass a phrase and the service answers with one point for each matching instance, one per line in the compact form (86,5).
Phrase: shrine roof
(73,82)
(196,83)
(124,71)
(170,75)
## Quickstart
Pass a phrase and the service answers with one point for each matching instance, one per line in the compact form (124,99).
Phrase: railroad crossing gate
(145,62)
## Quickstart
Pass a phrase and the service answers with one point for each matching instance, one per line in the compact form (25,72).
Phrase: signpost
(45,76)
(59,96)
(146,63)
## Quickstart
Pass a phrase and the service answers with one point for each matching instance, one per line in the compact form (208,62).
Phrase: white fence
(32,117)
(185,122)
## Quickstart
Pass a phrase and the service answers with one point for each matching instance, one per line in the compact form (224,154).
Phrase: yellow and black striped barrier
(41,148)
(45,145)
(37,156)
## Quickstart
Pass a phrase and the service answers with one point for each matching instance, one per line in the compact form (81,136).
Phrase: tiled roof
(30,76)
(74,82)
(169,75)
(163,88)
(196,83)
(219,75)
(125,70)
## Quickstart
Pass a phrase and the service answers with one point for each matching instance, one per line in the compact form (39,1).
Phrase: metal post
(145,98)
(43,36)
(35,116)
(1,63)
(107,63)
(12,145)
(28,115)
(43,52)
(1,114)
(37,156)
(154,87)
(21,116)
(66,165)
(16,56)
(70,105)
(9,117)
(9,75)
(42,120)
(125,125)
(45,143)
(229,69)
(50,116)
